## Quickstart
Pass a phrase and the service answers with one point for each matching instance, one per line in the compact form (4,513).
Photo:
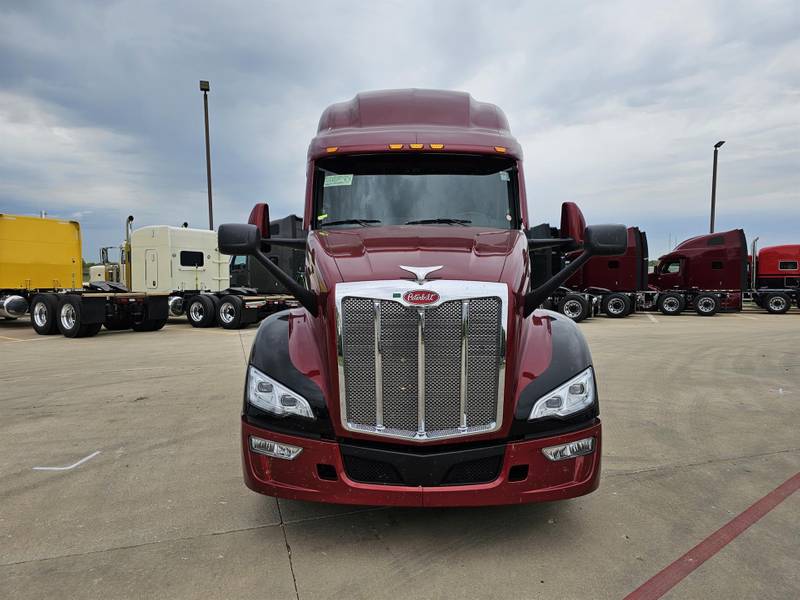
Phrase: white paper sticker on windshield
(504,176)
(336,180)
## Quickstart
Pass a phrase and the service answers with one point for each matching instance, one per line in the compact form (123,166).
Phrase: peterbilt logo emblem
(420,297)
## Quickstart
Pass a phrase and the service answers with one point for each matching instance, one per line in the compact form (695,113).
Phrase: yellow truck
(41,272)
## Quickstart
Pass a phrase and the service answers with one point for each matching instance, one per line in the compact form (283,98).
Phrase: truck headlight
(267,394)
(574,396)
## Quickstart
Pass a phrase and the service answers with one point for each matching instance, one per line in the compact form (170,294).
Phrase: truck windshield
(404,189)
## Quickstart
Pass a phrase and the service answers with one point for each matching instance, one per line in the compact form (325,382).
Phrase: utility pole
(205,88)
(717,146)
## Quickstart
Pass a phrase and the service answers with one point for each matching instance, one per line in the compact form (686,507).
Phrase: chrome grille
(421,373)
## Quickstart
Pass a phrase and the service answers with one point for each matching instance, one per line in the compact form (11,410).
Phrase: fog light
(274,449)
(571,450)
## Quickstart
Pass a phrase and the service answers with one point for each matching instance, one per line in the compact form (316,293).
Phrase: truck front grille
(421,373)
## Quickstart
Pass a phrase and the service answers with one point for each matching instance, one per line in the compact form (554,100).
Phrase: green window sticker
(337,180)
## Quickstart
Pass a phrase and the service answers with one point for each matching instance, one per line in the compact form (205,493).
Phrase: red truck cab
(419,371)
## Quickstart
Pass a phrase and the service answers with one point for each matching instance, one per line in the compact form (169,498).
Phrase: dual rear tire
(616,305)
(70,319)
(44,314)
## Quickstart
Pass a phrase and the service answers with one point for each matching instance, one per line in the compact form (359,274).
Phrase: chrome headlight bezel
(566,400)
(271,396)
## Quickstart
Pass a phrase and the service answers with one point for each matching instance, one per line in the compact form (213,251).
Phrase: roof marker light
(395,146)
(500,149)
(437,146)
(330,149)
(416,146)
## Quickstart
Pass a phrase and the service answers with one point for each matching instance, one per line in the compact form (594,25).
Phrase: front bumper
(300,479)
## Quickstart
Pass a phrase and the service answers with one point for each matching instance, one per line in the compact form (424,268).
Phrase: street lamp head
(717,145)
(205,87)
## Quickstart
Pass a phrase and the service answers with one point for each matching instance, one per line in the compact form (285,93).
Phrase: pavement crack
(288,548)
(701,463)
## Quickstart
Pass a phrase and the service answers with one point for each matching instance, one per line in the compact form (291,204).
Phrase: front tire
(777,303)
(201,311)
(706,305)
(616,305)
(229,314)
(44,314)
(574,306)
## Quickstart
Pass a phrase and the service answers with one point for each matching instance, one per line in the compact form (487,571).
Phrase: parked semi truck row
(419,369)
(707,273)
(162,271)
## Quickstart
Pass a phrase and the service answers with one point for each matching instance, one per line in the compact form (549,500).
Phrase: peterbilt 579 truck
(419,370)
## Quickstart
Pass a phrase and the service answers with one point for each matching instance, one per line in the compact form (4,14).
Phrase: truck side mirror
(605,240)
(238,239)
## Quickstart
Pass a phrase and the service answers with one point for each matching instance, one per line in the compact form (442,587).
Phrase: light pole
(717,146)
(205,88)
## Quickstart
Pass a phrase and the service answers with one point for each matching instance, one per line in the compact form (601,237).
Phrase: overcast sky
(617,105)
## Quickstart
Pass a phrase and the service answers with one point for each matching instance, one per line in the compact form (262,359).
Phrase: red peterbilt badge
(420,297)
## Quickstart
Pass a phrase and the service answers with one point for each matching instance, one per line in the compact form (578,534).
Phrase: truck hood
(376,253)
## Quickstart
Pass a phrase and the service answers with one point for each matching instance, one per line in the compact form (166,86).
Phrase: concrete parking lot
(701,419)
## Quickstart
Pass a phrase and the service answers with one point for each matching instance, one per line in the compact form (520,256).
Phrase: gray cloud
(617,105)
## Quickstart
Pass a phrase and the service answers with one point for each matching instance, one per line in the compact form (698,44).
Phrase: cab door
(151,269)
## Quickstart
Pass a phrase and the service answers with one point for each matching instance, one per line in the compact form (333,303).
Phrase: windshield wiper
(443,220)
(362,222)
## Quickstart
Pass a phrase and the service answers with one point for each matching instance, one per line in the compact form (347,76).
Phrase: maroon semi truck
(713,272)
(605,284)
(707,273)
(419,370)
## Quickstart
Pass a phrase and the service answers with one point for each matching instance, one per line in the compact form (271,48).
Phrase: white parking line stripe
(80,462)
(651,317)
(748,317)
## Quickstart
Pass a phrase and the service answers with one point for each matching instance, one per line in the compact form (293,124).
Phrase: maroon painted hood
(376,253)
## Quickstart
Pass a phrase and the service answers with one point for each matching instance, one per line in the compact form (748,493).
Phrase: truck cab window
(787,265)
(671,267)
(419,188)
(716,241)
(191,258)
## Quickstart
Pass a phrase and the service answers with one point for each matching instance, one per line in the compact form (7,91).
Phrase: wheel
(616,305)
(777,303)
(574,306)
(229,313)
(671,304)
(44,310)
(149,325)
(706,305)
(70,323)
(118,323)
(201,311)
